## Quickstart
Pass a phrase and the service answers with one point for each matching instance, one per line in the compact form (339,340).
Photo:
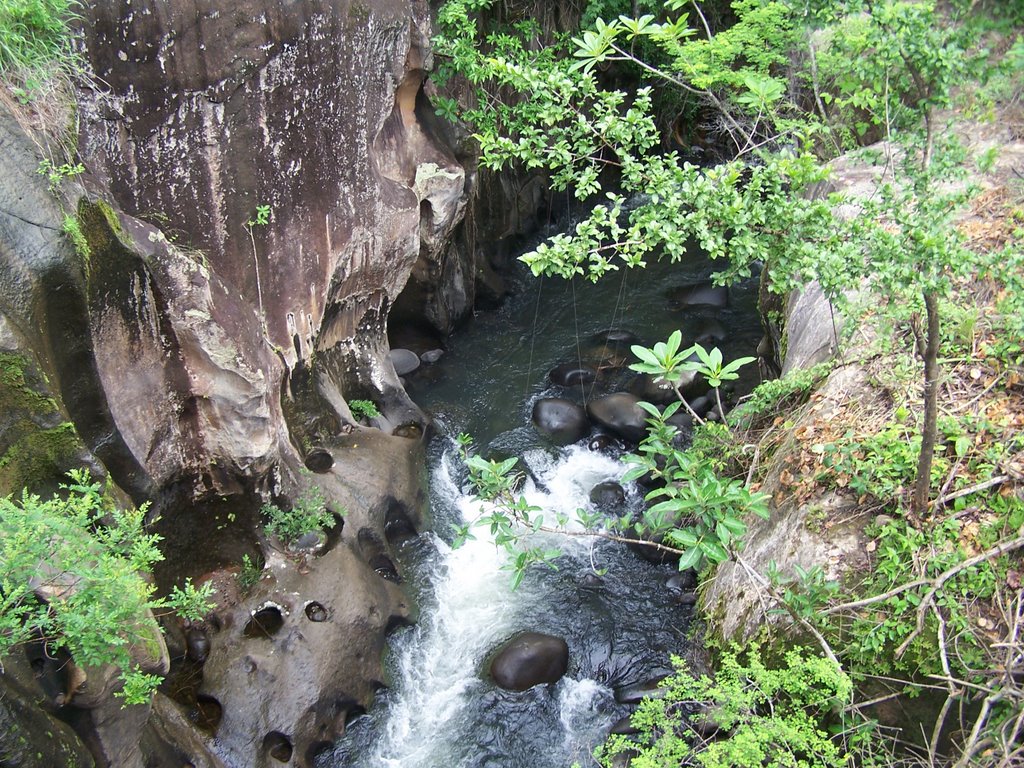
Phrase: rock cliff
(261,179)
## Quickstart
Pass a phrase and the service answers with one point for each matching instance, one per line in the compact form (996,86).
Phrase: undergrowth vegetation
(35,42)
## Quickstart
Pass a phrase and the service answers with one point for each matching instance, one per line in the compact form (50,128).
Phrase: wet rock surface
(561,420)
(530,659)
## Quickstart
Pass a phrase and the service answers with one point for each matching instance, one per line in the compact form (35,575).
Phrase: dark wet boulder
(572,375)
(699,295)
(684,581)
(701,405)
(653,554)
(603,442)
(637,692)
(710,332)
(616,336)
(620,414)
(530,659)
(561,420)
(405,361)
(30,737)
(658,391)
(607,496)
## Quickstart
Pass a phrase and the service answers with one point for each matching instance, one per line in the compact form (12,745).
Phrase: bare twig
(1000,549)
(770,589)
(998,480)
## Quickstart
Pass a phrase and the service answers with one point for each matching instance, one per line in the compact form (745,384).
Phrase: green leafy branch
(73,578)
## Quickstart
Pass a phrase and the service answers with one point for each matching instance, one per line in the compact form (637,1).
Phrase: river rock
(607,496)
(684,581)
(602,442)
(619,413)
(651,389)
(431,356)
(616,336)
(637,692)
(701,404)
(405,361)
(572,375)
(530,659)
(699,295)
(29,736)
(561,420)
(710,332)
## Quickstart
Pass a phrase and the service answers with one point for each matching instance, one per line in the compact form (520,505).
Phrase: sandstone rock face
(314,109)
(301,673)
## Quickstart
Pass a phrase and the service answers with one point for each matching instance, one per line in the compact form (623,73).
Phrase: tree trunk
(922,485)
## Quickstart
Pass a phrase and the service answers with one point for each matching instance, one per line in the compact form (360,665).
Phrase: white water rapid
(432,714)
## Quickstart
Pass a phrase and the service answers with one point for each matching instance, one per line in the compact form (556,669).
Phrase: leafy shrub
(363,409)
(308,514)
(88,558)
(773,717)
(781,395)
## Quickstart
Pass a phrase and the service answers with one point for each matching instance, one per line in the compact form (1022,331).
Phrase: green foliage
(73,575)
(34,33)
(363,409)
(250,573)
(261,218)
(72,229)
(308,514)
(695,510)
(779,395)
(882,465)
(806,592)
(58,174)
(766,717)
(905,554)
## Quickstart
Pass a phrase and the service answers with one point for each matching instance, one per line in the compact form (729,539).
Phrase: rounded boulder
(561,420)
(405,361)
(572,375)
(620,414)
(530,659)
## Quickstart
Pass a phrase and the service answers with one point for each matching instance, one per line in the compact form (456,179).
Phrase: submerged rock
(608,496)
(699,295)
(572,375)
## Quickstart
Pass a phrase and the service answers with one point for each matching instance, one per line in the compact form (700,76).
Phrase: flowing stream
(440,710)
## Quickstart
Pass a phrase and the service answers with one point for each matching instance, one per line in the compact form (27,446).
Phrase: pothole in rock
(398,526)
(385,567)
(208,713)
(265,623)
(277,746)
(316,612)
(319,460)
(396,623)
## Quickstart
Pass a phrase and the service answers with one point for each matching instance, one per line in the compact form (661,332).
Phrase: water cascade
(620,619)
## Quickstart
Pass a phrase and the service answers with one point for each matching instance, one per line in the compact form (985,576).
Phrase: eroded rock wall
(166,327)
(311,108)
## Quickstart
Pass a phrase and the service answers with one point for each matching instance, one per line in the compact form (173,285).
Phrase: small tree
(72,575)
(895,63)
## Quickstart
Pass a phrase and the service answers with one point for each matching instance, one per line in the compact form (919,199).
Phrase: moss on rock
(37,443)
